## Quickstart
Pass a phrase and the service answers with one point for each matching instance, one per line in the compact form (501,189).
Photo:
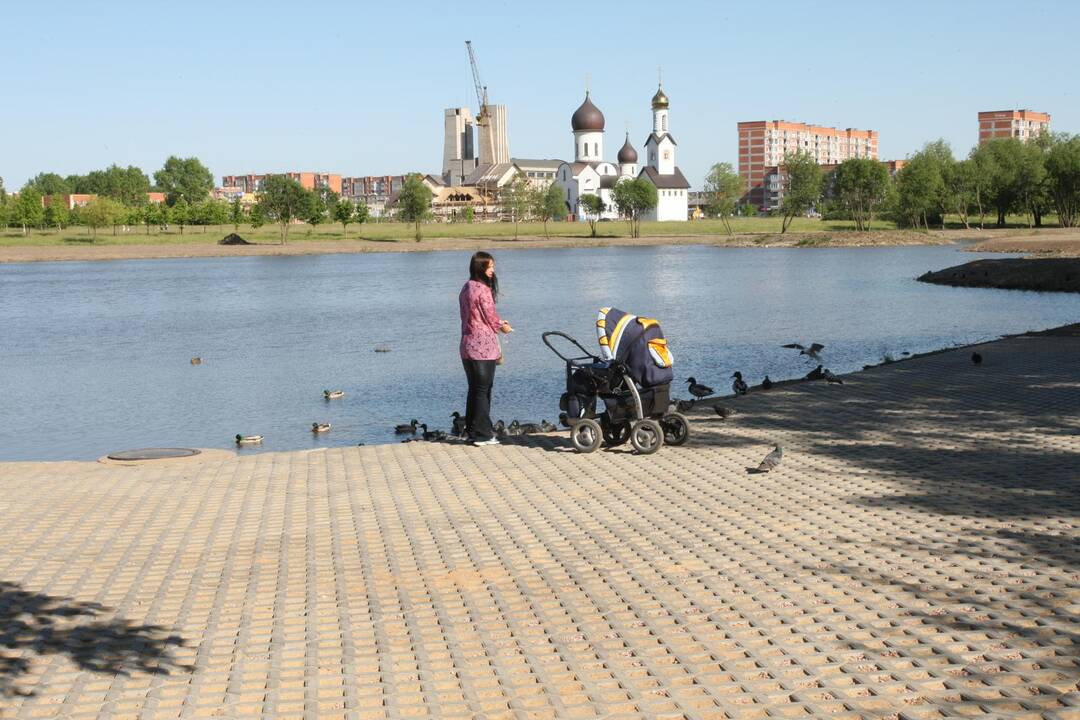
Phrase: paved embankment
(916,555)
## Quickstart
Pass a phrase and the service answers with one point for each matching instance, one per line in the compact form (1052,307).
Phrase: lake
(95,357)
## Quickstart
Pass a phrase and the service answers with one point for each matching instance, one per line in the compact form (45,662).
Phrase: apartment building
(309,180)
(776,178)
(763,144)
(1022,124)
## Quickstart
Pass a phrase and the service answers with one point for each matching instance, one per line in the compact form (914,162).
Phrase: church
(590,174)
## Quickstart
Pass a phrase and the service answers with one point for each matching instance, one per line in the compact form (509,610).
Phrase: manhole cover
(153,454)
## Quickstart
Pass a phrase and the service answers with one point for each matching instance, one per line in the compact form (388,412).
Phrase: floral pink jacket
(479,322)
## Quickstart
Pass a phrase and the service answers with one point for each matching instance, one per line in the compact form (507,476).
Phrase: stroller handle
(556,333)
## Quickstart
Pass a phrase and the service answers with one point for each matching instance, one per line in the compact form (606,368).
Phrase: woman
(480,325)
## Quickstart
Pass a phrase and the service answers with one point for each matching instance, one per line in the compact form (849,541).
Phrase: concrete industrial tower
(459,154)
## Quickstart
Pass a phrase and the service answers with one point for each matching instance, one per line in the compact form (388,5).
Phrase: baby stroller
(631,377)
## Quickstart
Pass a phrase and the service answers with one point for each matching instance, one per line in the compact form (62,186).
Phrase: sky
(359,88)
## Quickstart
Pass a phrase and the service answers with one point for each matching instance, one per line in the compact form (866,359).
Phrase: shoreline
(122,251)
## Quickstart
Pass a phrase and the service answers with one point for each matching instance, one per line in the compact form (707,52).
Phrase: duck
(530,428)
(409,427)
(433,435)
(382,348)
(739,386)
(830,378)
(514,428)
(196,361)
(815,374)
(976,358)
(320,427)
(458,425)
(698,390)
(248,439)
(684,405)
(547,427)
(766,384)
(724,412)
(333,394)
(499,428)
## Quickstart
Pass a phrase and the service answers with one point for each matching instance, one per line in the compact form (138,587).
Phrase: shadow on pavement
(37,624)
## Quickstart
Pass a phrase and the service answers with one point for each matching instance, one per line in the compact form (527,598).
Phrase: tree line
(1001,177)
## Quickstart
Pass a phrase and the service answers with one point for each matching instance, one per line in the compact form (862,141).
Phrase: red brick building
(309,180)
(1022,124)
(763,144)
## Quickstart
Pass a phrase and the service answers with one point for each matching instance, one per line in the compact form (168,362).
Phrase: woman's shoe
(490,441)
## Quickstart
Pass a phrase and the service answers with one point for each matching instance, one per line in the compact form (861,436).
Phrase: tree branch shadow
(34,623)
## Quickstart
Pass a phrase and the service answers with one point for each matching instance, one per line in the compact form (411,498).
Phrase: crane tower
(490,120)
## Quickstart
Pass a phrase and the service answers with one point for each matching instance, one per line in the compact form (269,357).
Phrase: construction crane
(483,119)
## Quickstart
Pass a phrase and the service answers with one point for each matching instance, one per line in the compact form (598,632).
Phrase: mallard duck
(697,390)
(320,427)
(684,405)
(458,426)
(547,426)
(407,428)
(333,394)
(433,435)
(514,428)
(196,361)
(248,439)
(530,428)
(830,378)
(499,428)
(739,387)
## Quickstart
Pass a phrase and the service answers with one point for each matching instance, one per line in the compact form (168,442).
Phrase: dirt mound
(233,239)
(1052,274)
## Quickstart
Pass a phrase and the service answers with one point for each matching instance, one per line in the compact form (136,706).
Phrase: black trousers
(481,375)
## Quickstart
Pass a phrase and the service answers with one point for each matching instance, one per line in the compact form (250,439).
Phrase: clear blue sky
(359,88)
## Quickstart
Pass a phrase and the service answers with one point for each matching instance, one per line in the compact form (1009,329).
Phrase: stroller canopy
(638,343)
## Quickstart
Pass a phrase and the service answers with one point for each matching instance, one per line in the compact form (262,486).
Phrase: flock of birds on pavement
(419,431)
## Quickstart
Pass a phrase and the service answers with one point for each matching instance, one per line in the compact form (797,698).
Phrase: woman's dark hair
(478,266)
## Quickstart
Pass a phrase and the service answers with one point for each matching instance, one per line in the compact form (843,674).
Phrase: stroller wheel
(615,434)
(585,435)
(646,436)
(676,429)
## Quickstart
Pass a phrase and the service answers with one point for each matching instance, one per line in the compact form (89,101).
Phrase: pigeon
(458,426)
(815,374)
(698,391)
(829,377)
(408,428)
(684,405)
(723,412)
(739,386)
(976,358)
(771,461)
(810,352)
(766,384)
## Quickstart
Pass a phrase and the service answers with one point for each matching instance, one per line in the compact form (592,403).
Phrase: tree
(184,178)
(592,207)
(27,210)
(344,213)
(1063,177)
(236,213)
(257,216)
(548,203)
(633,198)
(50,184)
(283,199)
(724,188)
(56,213)
(101,212)
(414,202)
(181,214)
(802,186)
(315,210)
(918,187)
(861,185)
(516,199)
(361,213)
(962,188)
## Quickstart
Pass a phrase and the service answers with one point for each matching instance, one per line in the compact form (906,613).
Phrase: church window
(584,149)
(663,123)
(667,154)
(596,149)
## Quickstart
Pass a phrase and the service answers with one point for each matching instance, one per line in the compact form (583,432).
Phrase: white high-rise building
(459,155)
